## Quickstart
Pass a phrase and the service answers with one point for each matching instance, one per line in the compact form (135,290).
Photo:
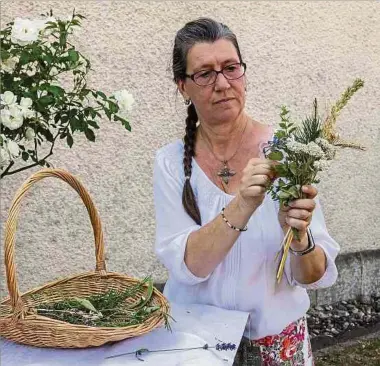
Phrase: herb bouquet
(302,151)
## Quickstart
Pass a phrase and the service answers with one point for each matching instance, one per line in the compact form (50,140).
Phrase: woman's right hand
(257,176)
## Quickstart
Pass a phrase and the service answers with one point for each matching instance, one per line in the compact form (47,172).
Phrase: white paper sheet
(195,325)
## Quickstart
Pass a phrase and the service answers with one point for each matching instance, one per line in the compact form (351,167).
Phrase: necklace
(225,173)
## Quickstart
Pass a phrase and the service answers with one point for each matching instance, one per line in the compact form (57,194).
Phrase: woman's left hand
(298,215)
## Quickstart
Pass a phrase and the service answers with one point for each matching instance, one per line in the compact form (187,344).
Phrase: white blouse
(246,279)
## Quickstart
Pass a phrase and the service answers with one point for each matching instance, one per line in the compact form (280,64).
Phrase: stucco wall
(295,51)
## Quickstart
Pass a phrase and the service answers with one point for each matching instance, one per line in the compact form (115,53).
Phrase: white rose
(124,100)
(25,105)
(28,113)
(12,117)
(26,102)
(24,31)
(9,64)
(5,117)
(13,149)
(29,134)
(8,98)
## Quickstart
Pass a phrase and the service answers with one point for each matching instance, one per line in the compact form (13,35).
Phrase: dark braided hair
(200,30)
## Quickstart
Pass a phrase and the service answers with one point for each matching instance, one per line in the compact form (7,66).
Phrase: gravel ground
(328,324)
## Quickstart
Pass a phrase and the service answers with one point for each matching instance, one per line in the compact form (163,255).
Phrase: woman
(217,231)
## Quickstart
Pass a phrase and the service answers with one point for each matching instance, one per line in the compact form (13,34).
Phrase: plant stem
(161,350)
(38,162)
(5,172)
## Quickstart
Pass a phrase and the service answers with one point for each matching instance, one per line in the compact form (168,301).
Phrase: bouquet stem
(285,250)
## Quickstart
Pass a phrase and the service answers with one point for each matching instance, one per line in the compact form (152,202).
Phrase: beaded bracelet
(245,228)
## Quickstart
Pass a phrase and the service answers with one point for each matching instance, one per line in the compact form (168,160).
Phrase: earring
(187,101)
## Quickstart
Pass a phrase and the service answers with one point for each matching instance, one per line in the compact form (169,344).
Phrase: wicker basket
(19,321)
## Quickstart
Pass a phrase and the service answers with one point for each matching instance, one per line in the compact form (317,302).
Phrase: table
(195,326)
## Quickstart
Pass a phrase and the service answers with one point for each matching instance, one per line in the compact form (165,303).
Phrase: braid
(188,198)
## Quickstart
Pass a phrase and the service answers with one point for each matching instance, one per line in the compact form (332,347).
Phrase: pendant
(226,173)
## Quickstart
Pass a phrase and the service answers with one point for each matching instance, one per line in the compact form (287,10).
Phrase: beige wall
(294,50)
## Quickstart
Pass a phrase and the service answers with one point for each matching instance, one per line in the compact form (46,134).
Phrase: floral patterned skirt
(289,348)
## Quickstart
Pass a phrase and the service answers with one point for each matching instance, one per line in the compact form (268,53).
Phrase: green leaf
(123,121)
(46,100)
(108,113)
(101,94)
(280,134)
(48,135)
(276,155)
(63,35)
(144,299)
(70,140)
(4,55)
(56,90)
(86,304)
(93,124)
(73,55)
(293,168)
(281,170)
(74,124)
(47,58)
(294,192)
(283,195)
(113,107)
(90,134)
(24,57)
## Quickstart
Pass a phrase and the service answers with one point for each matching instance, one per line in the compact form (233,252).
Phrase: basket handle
(11,225)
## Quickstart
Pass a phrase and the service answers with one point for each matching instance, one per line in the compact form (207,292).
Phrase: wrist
(310,245)
(302,244)
(243,207)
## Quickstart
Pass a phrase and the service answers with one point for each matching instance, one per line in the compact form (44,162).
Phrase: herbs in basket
(109,309)
(302,151)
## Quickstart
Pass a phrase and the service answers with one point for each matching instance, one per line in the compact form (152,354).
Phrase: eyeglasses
(208,77)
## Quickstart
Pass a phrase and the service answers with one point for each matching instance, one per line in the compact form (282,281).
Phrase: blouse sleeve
(173,224)
(329,246)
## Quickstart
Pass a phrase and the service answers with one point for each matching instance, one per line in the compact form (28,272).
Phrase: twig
(5,172)
(218,347)
(288,239)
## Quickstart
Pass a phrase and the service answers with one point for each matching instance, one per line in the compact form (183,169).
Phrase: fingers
(257,169)
(299,214)
(310,190)
(298,224)
(256,180)
(258,161)
(303,204)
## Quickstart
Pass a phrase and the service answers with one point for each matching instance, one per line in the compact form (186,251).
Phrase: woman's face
(222,101)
